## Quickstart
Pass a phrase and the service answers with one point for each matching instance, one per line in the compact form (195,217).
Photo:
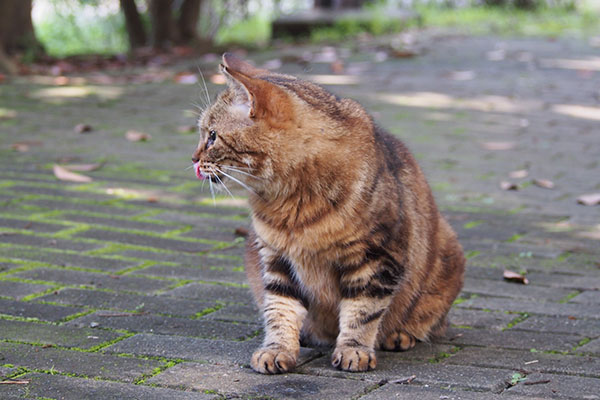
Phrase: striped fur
(348,247)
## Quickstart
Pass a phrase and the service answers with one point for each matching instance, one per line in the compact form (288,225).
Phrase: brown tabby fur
(348,247)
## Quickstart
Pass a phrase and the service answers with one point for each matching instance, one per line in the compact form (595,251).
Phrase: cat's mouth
(202,175)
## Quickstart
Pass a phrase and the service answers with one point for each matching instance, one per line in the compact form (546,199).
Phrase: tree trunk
(16,28)
(134,25)
(162,20)
(187,23)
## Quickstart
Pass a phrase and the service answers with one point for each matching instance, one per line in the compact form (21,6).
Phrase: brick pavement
(132,286)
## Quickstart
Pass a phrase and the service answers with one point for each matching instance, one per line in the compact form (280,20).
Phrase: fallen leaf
(186,78)
(337,67)
(25,145)
(591,199)
(82,128)
(521,173)
(64,174)
(83,167)
(402,53)
(2,78)
(572,317)
(505,185)
(498,145)
(152,200)
(544,183)
(241,231)
(137,136)
(515,277)
(186,128)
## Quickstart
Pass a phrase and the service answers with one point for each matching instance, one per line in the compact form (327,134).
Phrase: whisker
(238,181)
(190,167)
(205,88)
(222,183)
(241,172)
(212,191)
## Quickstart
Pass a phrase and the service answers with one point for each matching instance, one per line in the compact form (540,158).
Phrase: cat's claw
(354,359)
(272,361)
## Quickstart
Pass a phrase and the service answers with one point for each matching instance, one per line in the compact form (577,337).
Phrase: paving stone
(207,292)
(66,336)
(211,234)
(479,319)
(64,387)
(56,192)
(570,281)
(128,302)
(116,282)
(66,205)
(145,240)
(119,223)
(411,391)
(184,259)
(33,226)
(214,274)
(574,326)
(68,259)
(204,221)
(531,307)
(5,371)
(187,348)
(204,328)
(174,209)
(246,383)
(7,266)
(29,309)
(502,288)
(587,297)
(559,386)
(511,339)
(93,365)
(39,241)
(591,347)
(18,290)
(526,360)
(237,312)
(392,367)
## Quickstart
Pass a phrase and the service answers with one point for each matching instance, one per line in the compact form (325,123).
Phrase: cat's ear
(260,98)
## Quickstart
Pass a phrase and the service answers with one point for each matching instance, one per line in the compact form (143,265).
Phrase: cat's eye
(212,136)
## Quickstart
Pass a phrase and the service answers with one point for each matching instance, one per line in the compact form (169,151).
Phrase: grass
(547,22)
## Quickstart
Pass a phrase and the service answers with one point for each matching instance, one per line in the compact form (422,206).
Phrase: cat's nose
(195,159)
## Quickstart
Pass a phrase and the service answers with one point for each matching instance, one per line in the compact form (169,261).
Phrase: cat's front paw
(272,361)
(354,359)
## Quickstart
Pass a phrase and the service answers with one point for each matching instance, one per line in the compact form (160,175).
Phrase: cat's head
(267,129)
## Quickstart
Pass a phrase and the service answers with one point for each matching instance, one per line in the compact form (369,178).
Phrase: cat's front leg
(284,309)
(364,301)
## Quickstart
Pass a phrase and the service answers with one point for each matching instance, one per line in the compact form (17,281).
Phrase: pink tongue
(199,173)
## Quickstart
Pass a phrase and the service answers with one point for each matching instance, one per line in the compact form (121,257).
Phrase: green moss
(569,296)
(522,317)
(472,224)
(472,254)
(514,238)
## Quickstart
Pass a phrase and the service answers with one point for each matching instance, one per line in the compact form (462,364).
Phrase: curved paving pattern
(132,286)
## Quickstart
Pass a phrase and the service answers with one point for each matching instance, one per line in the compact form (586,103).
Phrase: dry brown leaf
(337,67)
(402,53)
(83,167)
(498,145)
(592,199)
(521,173)
(186,128)
(505,185)
(512,276)
(137,136)
(25,145)
(404,381)
(544,183)
(82,128)
(64,174)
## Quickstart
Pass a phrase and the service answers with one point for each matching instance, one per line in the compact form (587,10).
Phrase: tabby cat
(347,245)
